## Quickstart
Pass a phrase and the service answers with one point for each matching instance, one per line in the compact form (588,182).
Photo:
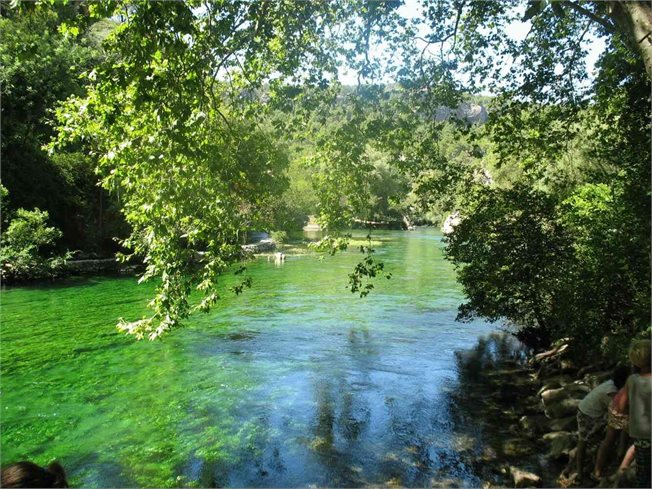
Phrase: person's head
(28,474)
(619,376)
(639,354)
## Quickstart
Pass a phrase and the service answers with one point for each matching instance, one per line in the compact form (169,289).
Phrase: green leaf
(558,9)
(534,9)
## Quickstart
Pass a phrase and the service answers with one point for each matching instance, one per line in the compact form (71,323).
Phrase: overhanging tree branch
(587,13)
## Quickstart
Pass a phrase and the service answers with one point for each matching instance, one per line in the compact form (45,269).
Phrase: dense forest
(157,130)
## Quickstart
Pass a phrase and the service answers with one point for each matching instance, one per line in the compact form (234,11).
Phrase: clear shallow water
(296,382)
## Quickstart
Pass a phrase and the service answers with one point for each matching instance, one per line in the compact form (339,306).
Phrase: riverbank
(523,407)
(264,247)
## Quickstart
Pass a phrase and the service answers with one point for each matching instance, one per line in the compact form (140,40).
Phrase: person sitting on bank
(28,474)
(591,418)
(639,392)
(616,421)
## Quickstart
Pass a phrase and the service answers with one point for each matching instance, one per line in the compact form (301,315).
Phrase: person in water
(639,393)
(616,420)
(28,474)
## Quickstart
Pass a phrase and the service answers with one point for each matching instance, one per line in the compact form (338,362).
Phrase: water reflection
(365,410)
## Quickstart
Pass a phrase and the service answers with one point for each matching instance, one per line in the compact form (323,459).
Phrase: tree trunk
(634,19)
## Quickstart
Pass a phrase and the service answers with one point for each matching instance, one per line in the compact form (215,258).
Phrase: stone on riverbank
(260,247)
(594,379)
(561,408)
(569,391)
(104,265)
(561,443)
(523,478)
(534,424)
(569,423)
(516,447)
(563,402)
(555,382)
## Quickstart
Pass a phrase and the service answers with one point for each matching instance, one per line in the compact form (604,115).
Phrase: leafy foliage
(558,243)
(26,248)
(39,67)
(175,125)
(509,251)
(206,120)
(365,270)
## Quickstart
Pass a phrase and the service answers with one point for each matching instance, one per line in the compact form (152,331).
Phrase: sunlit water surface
(295,382)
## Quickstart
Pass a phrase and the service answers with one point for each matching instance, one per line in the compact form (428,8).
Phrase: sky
(517,31)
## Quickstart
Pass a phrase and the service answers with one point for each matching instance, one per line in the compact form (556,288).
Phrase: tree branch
(587,13)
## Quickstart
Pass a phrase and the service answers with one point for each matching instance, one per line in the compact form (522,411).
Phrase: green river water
(295,382)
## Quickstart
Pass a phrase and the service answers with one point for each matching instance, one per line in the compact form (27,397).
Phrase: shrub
(27,248)
(279,237)
(575,268)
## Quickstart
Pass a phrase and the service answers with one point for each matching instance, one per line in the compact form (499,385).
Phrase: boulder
(568,365)
(555,382)
(569,423)
(550,355)
(563,402)
(523,478)
(561,443)
(451,222)
(561,408)
(535,424)
(261,246)
(569,391)
(516,447)
(588,368)
(594,379)
(488,455)
(532,405)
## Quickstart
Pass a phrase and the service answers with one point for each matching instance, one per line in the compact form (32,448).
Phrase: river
(296,382)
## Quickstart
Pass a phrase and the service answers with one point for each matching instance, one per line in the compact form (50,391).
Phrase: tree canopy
(192,112)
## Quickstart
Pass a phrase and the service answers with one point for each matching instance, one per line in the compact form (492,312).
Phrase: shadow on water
(495,389)
(72,281)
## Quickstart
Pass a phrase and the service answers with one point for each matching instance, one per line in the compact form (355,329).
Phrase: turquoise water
(295,382)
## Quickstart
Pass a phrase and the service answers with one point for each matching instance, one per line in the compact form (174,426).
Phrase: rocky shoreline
(96,266)
(525,406)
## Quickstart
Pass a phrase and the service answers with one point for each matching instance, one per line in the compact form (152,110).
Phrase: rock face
(522,478)
(257,236)
(450,222)
(260,247)
(471,113)
(93,266)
